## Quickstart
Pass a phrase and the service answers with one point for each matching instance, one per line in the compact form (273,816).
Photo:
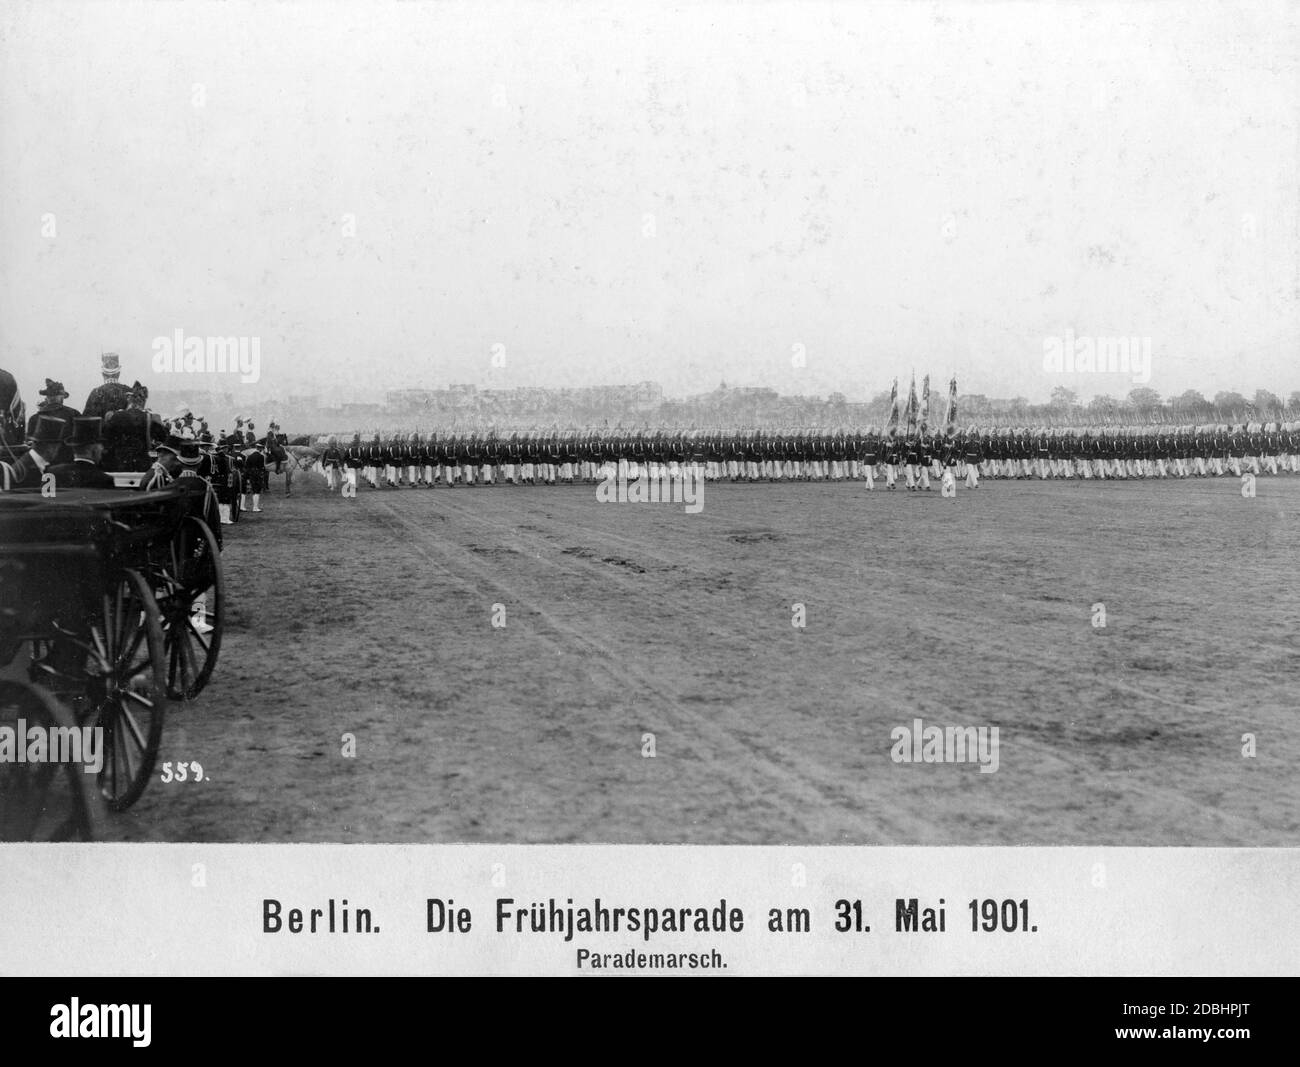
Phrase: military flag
(950,415)
(911,406)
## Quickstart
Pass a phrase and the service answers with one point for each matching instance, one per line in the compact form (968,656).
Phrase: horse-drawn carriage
(119,600)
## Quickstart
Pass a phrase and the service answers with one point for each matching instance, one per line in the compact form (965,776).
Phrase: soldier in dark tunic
(972,454)
(353,460)
(255,476)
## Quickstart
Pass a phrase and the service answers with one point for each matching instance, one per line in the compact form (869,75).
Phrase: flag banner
(893,406)
(911,406)
(925,403)
(950,416)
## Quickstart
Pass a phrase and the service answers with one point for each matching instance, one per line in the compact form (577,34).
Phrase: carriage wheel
(50,801)
(115,680)
(193,609)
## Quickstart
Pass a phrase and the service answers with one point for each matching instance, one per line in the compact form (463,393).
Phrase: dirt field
(374,618)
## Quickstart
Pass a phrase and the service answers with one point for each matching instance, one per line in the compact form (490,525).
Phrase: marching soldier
(331,462)
(374,461)
(490,454)
(891,455)
(354,460)
(973,455)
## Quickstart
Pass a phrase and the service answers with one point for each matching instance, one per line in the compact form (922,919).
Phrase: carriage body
(57,555)
(120,600)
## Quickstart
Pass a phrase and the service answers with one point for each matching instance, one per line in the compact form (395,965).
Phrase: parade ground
(519,664)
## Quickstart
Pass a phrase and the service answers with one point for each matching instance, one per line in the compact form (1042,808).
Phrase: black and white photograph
(594,423)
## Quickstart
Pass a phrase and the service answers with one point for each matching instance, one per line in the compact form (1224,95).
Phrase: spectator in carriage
(130,435)
(84,472)
(43,446)
(166,467)
(112,395)
(53,407)
(13,412)
(195,463)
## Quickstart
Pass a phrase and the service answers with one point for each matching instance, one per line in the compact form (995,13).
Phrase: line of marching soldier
(907,458)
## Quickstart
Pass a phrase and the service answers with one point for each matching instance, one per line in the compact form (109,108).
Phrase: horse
(279,460)
(283,458)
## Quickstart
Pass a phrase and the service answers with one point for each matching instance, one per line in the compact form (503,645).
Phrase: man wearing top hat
(43,445)
(112,395)
(84,472)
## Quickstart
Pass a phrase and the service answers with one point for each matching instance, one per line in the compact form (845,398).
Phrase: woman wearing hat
(54,407)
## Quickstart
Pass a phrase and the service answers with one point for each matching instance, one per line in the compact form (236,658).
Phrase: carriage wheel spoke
(126,765)
(204,640)
(100,649)
(175,666)
(126,717)
(129,649)
(187,655)
(111,740)
(140,699)
(114,624)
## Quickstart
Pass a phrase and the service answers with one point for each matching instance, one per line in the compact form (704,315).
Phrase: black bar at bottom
(332,1015)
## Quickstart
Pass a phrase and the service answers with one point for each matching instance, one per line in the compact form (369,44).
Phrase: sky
(811,197)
